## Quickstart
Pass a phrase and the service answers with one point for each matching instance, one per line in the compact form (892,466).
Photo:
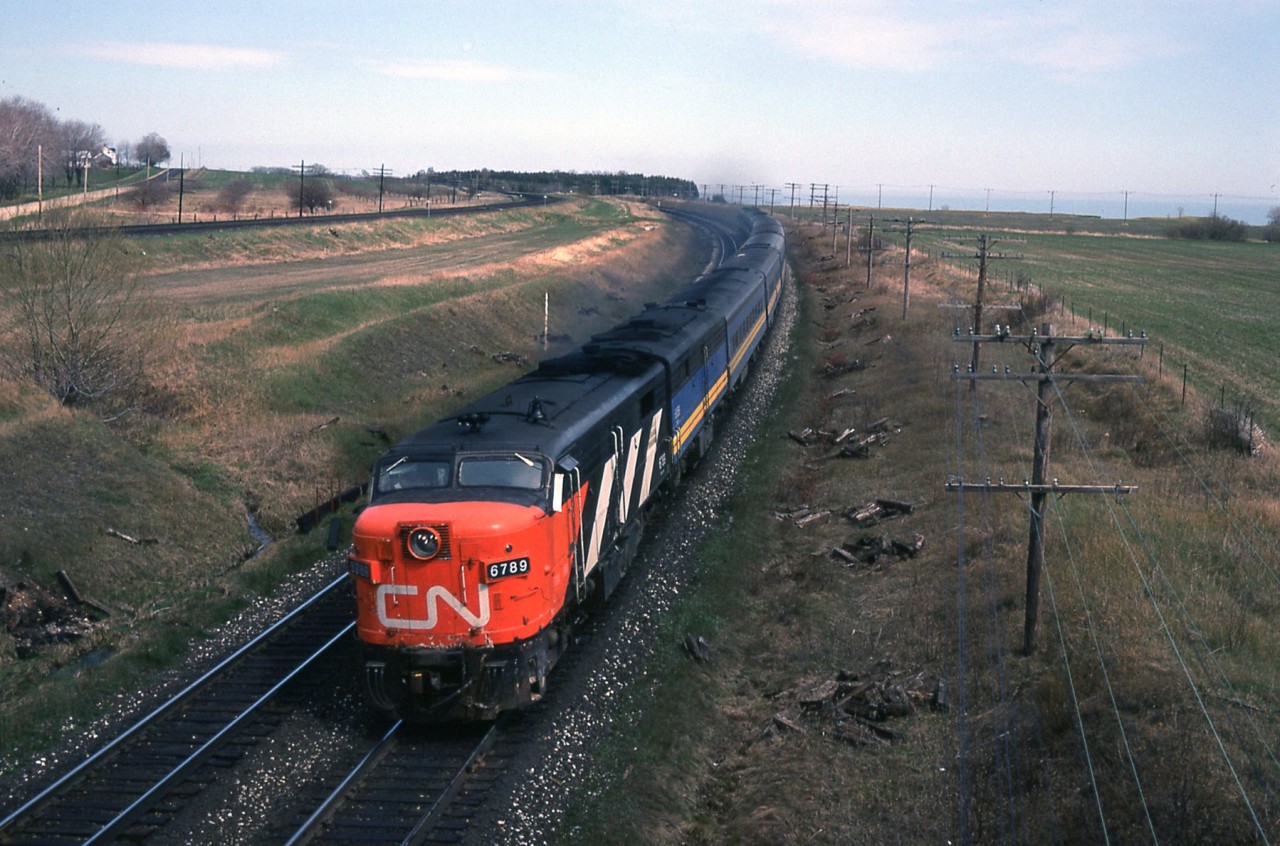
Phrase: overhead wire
(1008,750)
(1249,530)
(1091,627)
(1160,615)
(1202,655)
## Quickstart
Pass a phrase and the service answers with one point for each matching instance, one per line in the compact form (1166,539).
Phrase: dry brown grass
(1175,585)
(239,416)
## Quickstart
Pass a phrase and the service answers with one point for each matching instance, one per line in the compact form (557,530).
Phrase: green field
(1207,305)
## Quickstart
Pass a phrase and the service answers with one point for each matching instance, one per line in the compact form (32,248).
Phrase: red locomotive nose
(454,574)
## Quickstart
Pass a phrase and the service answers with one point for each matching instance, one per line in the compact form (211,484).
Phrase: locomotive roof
(543,411)
(549,409)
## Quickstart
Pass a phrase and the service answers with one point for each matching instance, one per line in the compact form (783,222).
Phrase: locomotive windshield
(501,471)
(414,474)
(432,475)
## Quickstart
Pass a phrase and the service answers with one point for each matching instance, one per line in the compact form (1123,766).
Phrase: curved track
(405,786)
(142,230)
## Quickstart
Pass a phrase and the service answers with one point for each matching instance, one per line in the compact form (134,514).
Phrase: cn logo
(435,596)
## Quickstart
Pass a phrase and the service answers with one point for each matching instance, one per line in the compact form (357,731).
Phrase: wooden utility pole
(382,184)
(302,184)
(985,243)
(906,270)
(871,246)
(848,240)
(1044,346)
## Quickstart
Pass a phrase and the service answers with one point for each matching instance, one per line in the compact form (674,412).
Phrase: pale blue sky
(1073,101)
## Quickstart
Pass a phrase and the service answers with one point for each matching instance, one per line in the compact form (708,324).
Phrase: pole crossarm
(1044,344)
(959,485)
(1004,337)
(1043,377)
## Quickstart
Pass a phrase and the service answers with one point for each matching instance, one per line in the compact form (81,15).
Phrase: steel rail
(197,757)
(166,707)
(451,789)
(326,807)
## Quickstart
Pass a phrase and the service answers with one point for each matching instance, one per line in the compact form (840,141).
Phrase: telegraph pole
(302,184)
(382,182)
(906,271)
(906,274)
(794,186)
(985,243)
(871,248)
(1044,346)
(848,240)
(182,170)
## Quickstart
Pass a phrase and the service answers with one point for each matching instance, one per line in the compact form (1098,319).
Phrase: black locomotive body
(487,532)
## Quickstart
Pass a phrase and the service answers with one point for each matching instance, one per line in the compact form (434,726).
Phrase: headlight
(424,543)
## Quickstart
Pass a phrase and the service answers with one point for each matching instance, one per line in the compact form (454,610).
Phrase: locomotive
(489,533)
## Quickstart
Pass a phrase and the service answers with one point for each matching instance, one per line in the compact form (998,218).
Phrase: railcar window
(408,474)
(515,471)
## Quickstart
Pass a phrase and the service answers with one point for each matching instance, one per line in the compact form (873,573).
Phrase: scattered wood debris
(852,445)
(804,436)
(36,618)
(801,515)
(74,593)
(869,549)
(130,539)
(854,707)
(508,357)
(876,510)
(833,369)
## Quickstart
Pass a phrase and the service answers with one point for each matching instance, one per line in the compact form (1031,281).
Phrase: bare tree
(80,327)
(310,193)
(152,192)
(152,150)
(80,142)
(25,126)
(232,195)
(1271,232)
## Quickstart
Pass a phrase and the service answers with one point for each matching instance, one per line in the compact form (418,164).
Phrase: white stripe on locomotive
(646,482)
(602,510)
(629,478)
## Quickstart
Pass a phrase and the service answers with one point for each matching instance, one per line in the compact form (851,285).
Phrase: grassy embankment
(292,358)
(1150,702)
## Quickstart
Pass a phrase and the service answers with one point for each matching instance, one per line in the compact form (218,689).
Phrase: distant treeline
(566,182)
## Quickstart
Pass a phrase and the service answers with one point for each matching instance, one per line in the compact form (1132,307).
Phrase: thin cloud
(894,36)
(181,56)
(456,70)
(859,34)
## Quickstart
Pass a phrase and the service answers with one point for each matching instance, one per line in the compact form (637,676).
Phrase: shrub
(1212,228)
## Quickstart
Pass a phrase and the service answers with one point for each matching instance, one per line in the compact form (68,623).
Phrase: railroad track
(408,785)
(413,786)
(132,786)
(150,229)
